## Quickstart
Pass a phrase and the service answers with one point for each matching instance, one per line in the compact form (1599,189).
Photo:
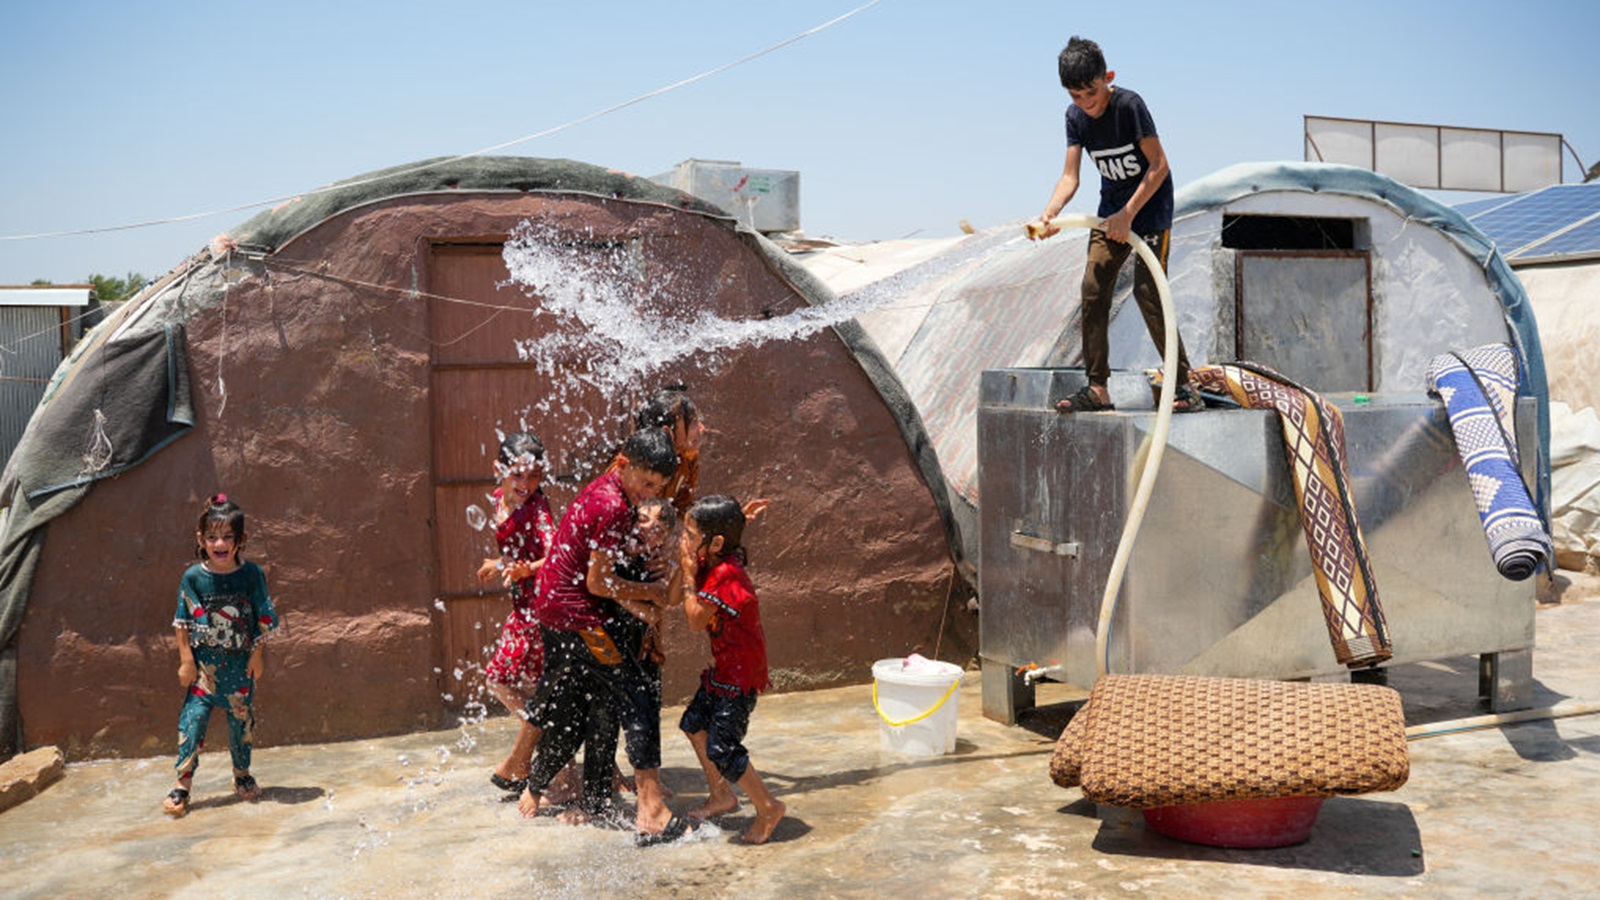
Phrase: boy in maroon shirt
(584,683)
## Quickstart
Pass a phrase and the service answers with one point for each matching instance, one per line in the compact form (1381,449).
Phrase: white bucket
(917,700)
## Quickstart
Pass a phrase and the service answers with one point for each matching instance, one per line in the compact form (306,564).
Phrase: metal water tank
(1219,581)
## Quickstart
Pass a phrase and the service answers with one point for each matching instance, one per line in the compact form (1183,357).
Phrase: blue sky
(903,119)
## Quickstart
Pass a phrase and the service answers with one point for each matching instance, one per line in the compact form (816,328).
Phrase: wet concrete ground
(1511,811)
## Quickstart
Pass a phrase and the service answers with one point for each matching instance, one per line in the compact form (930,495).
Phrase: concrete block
(24,776)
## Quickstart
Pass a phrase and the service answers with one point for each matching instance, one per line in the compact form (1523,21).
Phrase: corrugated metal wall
(30,350)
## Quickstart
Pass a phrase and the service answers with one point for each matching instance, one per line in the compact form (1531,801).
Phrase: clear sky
(903,119)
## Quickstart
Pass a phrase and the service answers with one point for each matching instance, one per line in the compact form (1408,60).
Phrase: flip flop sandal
(509,785)
(177,805)
(245,786)
(1085,400)
(677,827)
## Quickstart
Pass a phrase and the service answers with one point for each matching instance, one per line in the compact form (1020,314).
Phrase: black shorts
(725,720)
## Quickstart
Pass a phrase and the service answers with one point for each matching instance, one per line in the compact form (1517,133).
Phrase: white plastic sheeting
(1436,284)
(1435,287)
(1574,484)
(1565,298)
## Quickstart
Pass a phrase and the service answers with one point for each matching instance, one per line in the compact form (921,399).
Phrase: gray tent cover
(123,401)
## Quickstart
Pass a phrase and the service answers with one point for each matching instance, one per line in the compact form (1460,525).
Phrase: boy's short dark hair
(1081,62)
(651,449)
(668,407)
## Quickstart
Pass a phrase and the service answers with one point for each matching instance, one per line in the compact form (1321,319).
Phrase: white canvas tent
(1343,279)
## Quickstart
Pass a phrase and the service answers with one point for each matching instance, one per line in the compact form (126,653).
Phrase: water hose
(1495,720)
(1157,440)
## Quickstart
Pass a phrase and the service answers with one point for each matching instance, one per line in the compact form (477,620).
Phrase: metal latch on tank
(1028,541)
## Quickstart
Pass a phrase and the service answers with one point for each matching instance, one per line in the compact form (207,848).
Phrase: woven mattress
(1147,741)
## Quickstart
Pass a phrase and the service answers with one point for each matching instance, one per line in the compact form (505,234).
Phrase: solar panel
(1514,223)
(1584,238)
(1474,207)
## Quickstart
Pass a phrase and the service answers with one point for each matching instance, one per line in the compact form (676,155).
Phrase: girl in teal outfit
(223,613)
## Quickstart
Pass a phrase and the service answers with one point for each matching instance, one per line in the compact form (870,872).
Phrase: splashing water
(630,325)
(628,328)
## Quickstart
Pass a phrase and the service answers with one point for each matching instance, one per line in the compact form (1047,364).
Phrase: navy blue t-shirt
(1112,143)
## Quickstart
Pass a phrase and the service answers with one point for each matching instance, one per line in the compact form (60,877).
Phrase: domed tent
(340,366)
(1395,278)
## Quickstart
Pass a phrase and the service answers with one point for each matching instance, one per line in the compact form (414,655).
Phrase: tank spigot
(1034,672)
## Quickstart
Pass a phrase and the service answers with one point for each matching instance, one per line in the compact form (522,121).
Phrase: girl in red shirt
(522,529)
(719,599)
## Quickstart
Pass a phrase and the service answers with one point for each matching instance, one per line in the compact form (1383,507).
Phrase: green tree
(108,289)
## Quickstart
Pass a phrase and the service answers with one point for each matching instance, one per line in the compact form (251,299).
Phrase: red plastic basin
(1256,823)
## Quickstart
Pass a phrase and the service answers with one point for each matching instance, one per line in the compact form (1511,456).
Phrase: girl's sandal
(509,785)
(177,803)
(245,786)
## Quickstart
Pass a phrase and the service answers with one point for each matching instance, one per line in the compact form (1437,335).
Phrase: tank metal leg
(1005,694)
(1506,678)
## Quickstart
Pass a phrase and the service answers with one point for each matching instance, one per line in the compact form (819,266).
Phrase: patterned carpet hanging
(1479,389)
(1313,439)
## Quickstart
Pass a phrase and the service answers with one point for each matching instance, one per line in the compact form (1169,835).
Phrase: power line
(447,161)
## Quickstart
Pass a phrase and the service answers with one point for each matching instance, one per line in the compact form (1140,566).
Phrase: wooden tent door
(480,387)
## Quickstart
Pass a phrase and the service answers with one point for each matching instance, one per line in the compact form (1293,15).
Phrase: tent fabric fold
(127,398)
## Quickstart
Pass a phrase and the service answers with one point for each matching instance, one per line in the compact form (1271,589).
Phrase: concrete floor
(1511,811)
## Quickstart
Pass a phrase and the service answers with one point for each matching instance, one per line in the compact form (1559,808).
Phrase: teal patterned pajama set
(226,616)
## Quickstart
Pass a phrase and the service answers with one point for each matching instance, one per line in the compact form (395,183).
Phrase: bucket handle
(954,683)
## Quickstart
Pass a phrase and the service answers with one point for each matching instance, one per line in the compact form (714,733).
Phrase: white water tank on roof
(767,200)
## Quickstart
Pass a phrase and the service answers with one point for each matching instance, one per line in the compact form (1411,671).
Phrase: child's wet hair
(651,448)
(666,511)
(670,406)
(1080,63)
(220,510)
(519,448)
(720,515)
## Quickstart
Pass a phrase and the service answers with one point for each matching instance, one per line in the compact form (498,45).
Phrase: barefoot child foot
(567,786)
(528,804)
(716,806)
(766,820)
(575,815)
